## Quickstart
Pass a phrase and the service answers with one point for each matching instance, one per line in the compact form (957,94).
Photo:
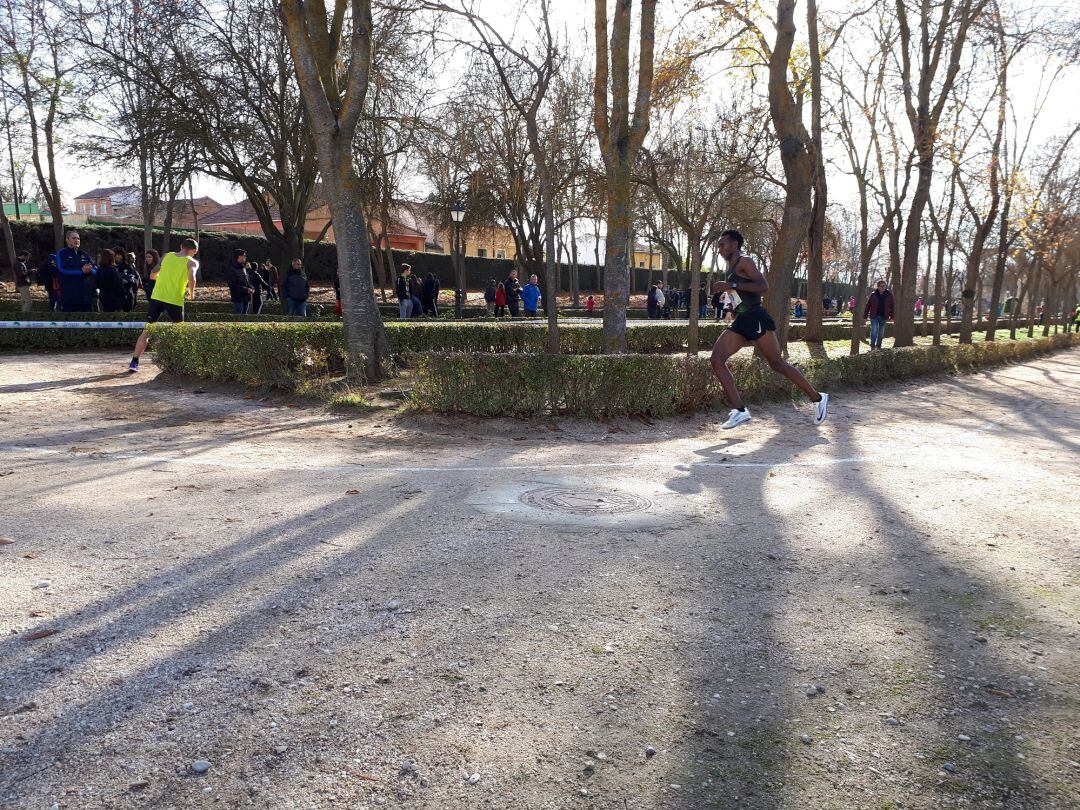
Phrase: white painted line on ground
(102,455)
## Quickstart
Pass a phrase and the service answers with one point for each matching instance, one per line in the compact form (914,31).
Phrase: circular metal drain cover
(584,502)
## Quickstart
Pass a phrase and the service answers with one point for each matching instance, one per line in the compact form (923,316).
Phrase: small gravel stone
(891,721)
(474,779)
(393,604)
(811,692)
(963,738)
(650,752)
(948,766)
(807,739)
(820,689)
(200,766)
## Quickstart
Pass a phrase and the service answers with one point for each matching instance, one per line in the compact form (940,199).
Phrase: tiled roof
(105,191)
(242,211)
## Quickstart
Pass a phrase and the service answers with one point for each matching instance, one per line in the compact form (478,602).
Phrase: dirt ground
(391,609)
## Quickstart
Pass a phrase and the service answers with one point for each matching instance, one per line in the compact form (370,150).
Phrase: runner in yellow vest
(174,283)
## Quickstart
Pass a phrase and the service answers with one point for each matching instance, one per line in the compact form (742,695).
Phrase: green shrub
(61,338)
(619,385)
(285,356)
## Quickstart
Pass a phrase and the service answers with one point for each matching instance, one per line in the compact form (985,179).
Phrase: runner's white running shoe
(736,418)
(821,409)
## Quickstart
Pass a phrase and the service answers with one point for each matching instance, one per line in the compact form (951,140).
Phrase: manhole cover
(584,502)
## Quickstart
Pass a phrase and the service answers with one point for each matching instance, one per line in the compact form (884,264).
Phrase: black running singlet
(750,299)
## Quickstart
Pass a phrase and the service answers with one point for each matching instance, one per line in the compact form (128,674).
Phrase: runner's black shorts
(752,323)
(158,308)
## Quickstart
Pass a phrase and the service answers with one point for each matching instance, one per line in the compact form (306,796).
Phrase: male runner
(752,325)
(174,282)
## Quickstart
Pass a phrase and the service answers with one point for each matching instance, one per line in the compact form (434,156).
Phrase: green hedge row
(620,385)
(36,339)
(287,356)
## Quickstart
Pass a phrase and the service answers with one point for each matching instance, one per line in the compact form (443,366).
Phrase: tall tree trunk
(9,239)
(798,167)
(999,267)
(575,270)
(815,265)
(617,268)
(695,285)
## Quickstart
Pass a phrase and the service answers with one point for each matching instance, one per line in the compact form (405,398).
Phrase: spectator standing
(295,289)
(718,305)
(590,305)
(401,288)
(879,308)
(110,283)
(338,310)
(273,278)
(259,286)
(130,279)
(240,289)
(652,302)
(512,287)
(46,276)
(919,306)
(500,300)
(416,288)
(703,301)
(489,297)
(530,297)
(429,295)
(23,281)
(798,308)
(76,270)
(151,264)
(851,304)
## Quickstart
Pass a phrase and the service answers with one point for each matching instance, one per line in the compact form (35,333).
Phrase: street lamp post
(457,212)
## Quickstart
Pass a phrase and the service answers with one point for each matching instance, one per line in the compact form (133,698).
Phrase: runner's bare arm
(193,266)
(750,278)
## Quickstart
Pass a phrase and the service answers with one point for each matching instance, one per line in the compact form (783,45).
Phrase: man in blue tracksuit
(530,297)
(74,266)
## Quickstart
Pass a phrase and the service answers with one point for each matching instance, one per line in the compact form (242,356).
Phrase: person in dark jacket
(401,289)
(429,295)
(125,263)
(110,283)
(295,289)
(652,303)
(46,276)
(489,297)
(415,288)
(236,277)
(513,294)
(151,264)
(259,285)
(879,308)
(76,270)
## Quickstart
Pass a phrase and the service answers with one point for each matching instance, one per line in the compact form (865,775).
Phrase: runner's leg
(726,345)
(770,349)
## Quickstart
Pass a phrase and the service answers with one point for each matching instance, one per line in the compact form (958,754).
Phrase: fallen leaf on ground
(43,633)
(1000,693)
(30,555)
(352,492)
(36,614)
(6,541)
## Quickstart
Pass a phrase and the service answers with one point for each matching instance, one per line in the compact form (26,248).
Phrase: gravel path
(264,604)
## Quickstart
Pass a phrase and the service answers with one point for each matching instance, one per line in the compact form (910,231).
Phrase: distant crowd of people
(114,280)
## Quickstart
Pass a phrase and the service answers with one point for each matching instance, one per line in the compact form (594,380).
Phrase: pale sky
(575,16)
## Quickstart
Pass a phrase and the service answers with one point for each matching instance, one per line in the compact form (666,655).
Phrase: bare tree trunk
(620,134)
(333,112)
(999,267)
(798,167)
(695,284)
(815,265)
(575,278)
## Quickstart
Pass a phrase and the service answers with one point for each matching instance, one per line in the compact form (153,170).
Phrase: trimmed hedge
(37,339)
(620,385)
(287,356)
